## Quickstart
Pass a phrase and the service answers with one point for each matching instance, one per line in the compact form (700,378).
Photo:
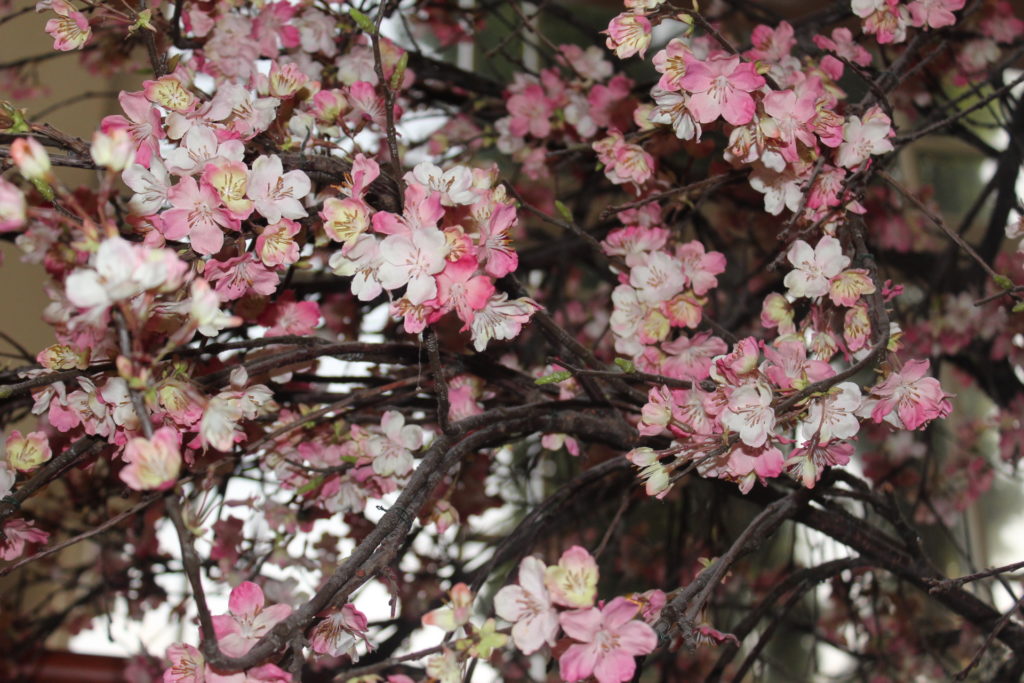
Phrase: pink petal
(246,599)
(637,638)
(582,624)
(577,662)
(614,667)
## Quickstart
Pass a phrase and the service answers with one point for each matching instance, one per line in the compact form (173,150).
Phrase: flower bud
(30,158)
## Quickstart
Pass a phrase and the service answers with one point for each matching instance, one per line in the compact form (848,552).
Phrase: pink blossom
(749,412)
(813,268)
(340,632)
(495,250)
(454,185)
(392,451)
(459,287)
(198,214)
(291,317)
(736,366)
(13,208)
(789,368)
(530,112)
(843,44)
(846,288)
(501,319)
(150,185)
(276,245)
(239,276)
(657,277)
(18,532)
(747,464)
(791,117)
(672,108)
(456,611)
(652,472)
(864,137)
(628,34)
(885,19)
(721,86)
(589,63)
(528,606)
(199,147)
(833,416)
(121,270)
(934,13)
(276,194)
(810,459)
(345,219)
(25,453)
(142,122)
(153,464)
(573,581)
(700,267)
(771,44)
(671,64)
(624,162)
(231,180)
(170,93)
(413,259)
(70,29)
(609,640)
(112,149)
(187,664)
(907,399)
(248,620)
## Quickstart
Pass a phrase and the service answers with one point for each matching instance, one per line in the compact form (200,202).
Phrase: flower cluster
(605,637)
(444,251)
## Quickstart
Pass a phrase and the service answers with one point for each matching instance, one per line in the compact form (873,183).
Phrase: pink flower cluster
(444,252)
(605,638)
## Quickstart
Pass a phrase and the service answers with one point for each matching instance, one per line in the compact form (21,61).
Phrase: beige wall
(21,294)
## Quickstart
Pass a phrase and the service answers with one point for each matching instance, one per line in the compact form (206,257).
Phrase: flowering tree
(370,365)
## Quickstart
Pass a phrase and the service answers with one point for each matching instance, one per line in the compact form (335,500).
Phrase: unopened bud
(31,159)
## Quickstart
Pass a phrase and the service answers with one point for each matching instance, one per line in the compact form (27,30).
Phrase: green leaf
(1003,281)
(362,21)
(396,78)
(563,211)
(310,485)
(13,119)
(1018,307)
(554,377)
(625,364)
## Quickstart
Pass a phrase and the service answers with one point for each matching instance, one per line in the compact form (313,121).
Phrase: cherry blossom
(13,208)
(721,86)
(198,214)
(573,581)
(340,632)
(813,268)
(750,414)
(276,194)
(248,620)
(628,34)
(609,638)
(907,399)
(864,137)
(18,533)
(528,606)
(25,453)
(153,463)
(392,452)
(70,28)
(455,613)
